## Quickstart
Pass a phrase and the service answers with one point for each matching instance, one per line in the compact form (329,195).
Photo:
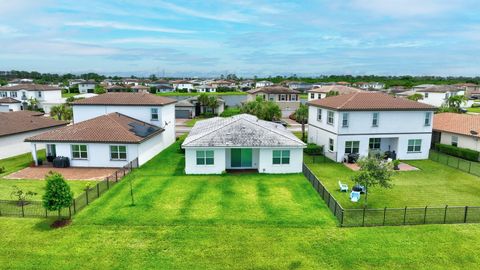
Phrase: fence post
(425,215)
(108,184)
(74,207)
(46,212)
(465,217)
(469,166)
(335,210)
(363,217)
(23,210)
(329,198)
(405,216)
(384,214)
(86,194)
(341,220)
(445,215)
(116,176)
(98,190)
(70,211)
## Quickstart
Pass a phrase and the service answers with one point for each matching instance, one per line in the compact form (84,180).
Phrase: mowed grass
(38,186)
(246,221)
(434,185)
(19,162)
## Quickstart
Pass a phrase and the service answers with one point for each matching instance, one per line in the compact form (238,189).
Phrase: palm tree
(301,115)
(203,100)
(62,112)
(213,103)
(455,102)
(56,111)
(269,111)
(415,97)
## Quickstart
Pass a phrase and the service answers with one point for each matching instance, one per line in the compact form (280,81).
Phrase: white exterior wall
(13,107)
(14,145)
(463,141)
(437,99)
(84,87)
(218,166)
(314,95)
(266,161)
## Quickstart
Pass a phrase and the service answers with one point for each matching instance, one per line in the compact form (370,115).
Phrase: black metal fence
(392,216)
(36,209)
(455,162)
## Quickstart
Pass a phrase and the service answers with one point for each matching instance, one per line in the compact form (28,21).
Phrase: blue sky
(246,37)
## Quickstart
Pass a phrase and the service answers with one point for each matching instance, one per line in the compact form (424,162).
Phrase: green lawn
(474,109)
(38,186)
(67,95)
(233,93)
(247,221)
(16,163)
(434,184)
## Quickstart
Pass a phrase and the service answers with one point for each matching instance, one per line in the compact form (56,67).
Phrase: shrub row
(313,149)
(464,153)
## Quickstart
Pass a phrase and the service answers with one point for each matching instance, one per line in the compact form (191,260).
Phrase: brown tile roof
(126,99)
(24,121)
(462,124)
(140,87)
(30,87)
(273,90)
(9,100)
(440,89)
(109,128)
(367,101)
(342,89)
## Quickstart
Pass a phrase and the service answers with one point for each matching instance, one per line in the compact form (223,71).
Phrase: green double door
(241,157)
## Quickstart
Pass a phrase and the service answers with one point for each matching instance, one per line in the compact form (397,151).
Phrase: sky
(245,37)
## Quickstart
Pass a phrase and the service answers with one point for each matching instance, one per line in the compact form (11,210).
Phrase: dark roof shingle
(9,100)
(126,98)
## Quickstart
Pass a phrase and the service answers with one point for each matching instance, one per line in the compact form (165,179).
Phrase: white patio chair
(354,196)
(343,187)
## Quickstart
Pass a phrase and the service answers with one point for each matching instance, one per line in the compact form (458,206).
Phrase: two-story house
(45,96)
(286,98)
(112,129)
(260,84)
(87,87)
(438,95)
(363,122)
(182,85)
(322,91)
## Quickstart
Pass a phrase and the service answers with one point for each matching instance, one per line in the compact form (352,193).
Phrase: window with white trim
(79,151)
(352,147)
(3,94)
(118,152)
(455,140)
(13,93)
(312,95)
(344,119)
(426,95)
(374,143)
(330,145)
(205,157)
(428,118)
(375,119)
(154,114)
(330,117)
(282,97)
(281,157)
(319,115)
(414,145)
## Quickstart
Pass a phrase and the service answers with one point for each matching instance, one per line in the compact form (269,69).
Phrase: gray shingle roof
(242,130)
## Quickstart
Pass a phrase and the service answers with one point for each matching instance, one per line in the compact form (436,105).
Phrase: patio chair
(343,187)
(354,196)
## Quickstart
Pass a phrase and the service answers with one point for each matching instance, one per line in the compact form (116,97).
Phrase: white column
(34,153)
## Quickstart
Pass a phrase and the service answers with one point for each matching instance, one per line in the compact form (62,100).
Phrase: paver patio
(402,167)
(69,173)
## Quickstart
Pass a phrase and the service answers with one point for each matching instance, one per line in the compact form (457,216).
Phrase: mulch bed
(60,223)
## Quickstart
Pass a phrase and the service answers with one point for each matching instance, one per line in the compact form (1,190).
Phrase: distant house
(241,142)
(205,88)
(190,108)
(364,122)
(140,88)
(286,98)
(260,84)
(468,88)
(322,91)
(18,125)
(19,81)
(87,87)
(370,85)
(299,86)
(118,88)
(422,86)
(247,84)
(223,83)
(164,88)
(461,130)
(439,94)
(182,85)
(131,82)
(46,96)
(9,104)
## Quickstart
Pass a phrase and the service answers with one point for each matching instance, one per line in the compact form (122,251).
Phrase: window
(351,147)
(205,157)
(330,117)
(13,94)
(455,140)
(426,95)
(39,94)
(154,113)
(312,95)
(344,119)
(375,119)
(118,152)
(319,115)
(374,143)
(79,151)
(293,97)
(282,97)
(330,145)
(428,118)
(3,94)
(281,157)
(414,145)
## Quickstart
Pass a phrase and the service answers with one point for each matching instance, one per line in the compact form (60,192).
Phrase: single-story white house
(110,141)
(241,142)
(190,108)
(18,125)
(461,130)
(9,104)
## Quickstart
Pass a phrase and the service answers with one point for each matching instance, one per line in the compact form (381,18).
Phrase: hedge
(313,149)
(458,151)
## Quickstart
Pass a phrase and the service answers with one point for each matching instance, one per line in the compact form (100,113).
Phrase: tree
(62,112)
(32,104)
(57,194)
(301,116)
(373,172)
(266,110)
(21,196)
(415,97)
(332,93)
(99,89)
(455,102)
(203,99)
(213,103)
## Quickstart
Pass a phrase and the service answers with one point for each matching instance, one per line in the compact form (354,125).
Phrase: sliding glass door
(241,157)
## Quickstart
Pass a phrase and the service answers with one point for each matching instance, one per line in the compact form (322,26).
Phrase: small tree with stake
(373,172)
(58,194)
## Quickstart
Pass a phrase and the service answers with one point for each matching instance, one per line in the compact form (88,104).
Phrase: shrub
(57,194)
(476,105)
(464,153)
(313,149)
(230,112)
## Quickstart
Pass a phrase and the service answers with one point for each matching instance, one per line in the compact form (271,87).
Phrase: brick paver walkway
(69,173)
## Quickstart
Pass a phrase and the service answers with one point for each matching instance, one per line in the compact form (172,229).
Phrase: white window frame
(293,97)
(345,119)
(3,94)
(319,115)
(284,154)
(80,151)
(428,119)
(154,111)
(373,142)
(331,145)
(312,95)
(454,140)
(204,158)
(426,95)
(330,117)
(414,143)
(351,147)
(282,97)
(375,117)
(13,94)
(118,152)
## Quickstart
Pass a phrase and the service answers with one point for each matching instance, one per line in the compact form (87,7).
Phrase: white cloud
(7,30)
(405,8)
(124,26)
(194,43)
